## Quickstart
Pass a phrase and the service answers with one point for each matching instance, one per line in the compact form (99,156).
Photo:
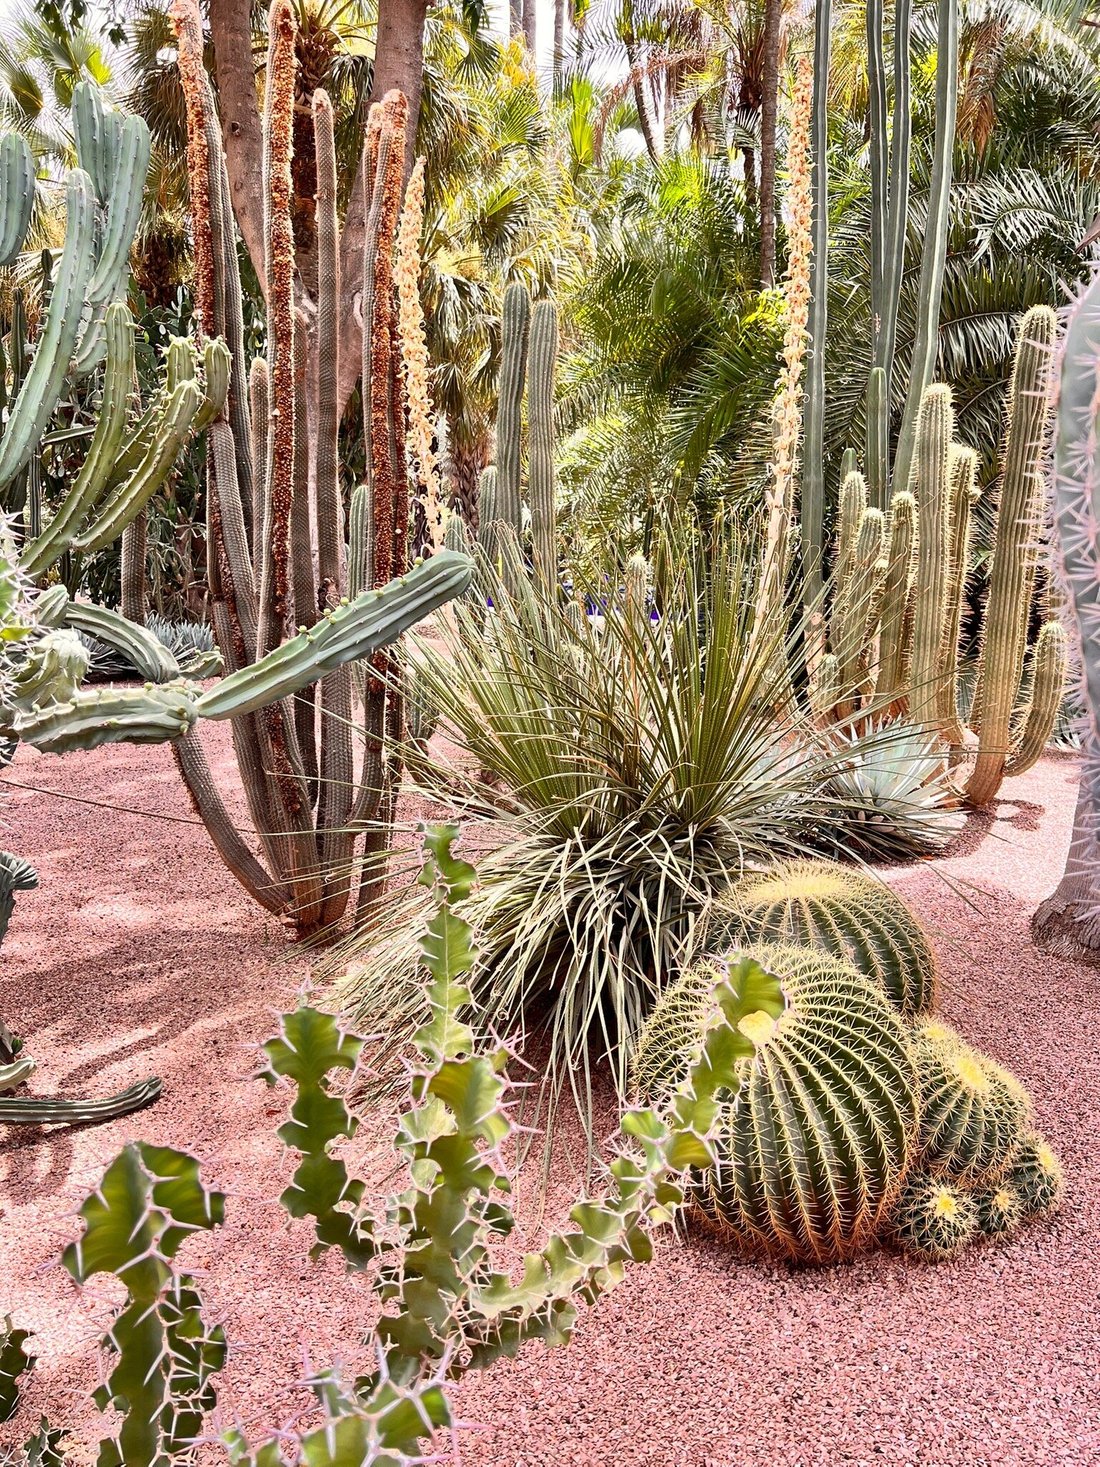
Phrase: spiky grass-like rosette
(972,1111)
(1036,1174)
(814,1144)
(854,917)
(934,1218)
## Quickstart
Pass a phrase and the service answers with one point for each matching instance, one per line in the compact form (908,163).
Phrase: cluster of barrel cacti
(857,1119)
(445,1309)
(897,592)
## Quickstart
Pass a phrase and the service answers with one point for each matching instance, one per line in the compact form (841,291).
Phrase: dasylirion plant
(324,824)
(852,916)
(816,1136)
(446,1307)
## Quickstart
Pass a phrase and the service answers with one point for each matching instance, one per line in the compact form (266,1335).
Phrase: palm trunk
(529,25)
(559,44)
(769,108)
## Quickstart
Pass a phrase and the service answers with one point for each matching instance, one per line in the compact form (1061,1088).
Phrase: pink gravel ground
(139,954)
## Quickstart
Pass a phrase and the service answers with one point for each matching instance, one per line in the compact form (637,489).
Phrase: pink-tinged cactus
(1068,922)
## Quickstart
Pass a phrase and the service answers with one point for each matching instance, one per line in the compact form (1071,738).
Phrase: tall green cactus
(16,194)
(543,356)
(515,322)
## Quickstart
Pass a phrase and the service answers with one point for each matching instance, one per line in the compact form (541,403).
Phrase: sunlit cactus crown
(815,1142)
(854,917)
(935,1218)
(973,1112)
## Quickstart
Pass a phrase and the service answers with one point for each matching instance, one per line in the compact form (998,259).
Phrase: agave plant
(624,763)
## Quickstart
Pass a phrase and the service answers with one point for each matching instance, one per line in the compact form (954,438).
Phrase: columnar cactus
(542,361)
(293,733)
(814,1143)
(854,918)
(515,324)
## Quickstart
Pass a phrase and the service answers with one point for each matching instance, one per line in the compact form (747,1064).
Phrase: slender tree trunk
(637,81)
(769,108)
(235,73)
(515,18)
(559,45)
(529,25)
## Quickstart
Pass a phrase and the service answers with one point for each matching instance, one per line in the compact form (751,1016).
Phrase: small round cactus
(934,1218)
(854,917)
(1000,1208)
(972,1112)
(1036,1174)
(813,1146)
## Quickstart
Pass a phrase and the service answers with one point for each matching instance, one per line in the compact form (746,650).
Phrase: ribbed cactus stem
(877,454)
(963,495)
(934,252)
(1035,723)
(934,432)
(853,501)
(1016,550)
(279,266)
(514,328)
(542,362)
(259,401)
(851,614)
(16,194)
(895,598)
(38,395)
(824,689)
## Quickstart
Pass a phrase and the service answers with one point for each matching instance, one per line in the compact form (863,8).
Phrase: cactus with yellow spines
(973,1113)
(1036,1174)
(934,1218)
(1000,1208)
(855,918)
(814,1143)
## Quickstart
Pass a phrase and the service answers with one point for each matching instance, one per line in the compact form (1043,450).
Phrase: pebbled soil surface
(139,954)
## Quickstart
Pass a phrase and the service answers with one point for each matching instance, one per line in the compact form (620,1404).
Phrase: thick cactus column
(542,361)
(934,429)
(514,327)
(1016,551)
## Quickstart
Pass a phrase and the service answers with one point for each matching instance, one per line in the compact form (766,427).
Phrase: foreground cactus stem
(16,194)
(514,327)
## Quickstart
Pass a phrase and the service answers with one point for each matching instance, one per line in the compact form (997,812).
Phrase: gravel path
(139,954)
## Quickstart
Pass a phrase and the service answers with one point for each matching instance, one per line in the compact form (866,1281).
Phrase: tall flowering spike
(796,290)
(279,267)
(414,350)
(187,20)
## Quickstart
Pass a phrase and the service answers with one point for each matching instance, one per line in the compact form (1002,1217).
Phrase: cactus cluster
(857,1119)
(87,325)
(528,362)
(981,1169)
(268,572)
(898,583)
(883,629)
